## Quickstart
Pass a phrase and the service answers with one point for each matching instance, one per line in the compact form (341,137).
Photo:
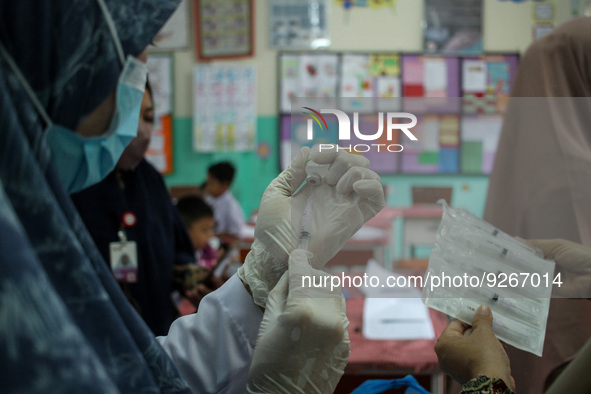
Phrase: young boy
(229,218)
(198,218)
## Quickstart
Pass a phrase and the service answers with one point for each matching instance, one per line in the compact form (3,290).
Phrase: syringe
(315,173)
(306,225)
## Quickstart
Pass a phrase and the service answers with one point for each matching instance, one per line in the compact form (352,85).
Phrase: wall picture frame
(224,29)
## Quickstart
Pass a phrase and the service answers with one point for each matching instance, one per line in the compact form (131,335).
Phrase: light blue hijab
(65,326)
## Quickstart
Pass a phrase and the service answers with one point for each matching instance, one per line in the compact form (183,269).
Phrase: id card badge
(124,261)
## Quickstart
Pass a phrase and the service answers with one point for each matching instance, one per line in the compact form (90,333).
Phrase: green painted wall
(469,192)
(255,173)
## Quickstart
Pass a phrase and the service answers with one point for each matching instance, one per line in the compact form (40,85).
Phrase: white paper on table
(474,76)
(394,313)
(396,319)
(368,233)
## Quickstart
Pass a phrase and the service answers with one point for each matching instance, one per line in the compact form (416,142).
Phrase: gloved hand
(573,261)
(303,344)
(348,196)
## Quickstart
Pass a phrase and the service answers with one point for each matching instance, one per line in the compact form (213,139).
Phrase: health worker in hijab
(71,82)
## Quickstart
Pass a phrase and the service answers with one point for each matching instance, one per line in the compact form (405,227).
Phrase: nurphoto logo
(391,120)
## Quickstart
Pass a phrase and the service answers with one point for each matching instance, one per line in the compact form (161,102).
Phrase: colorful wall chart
(486,83)
(480,137)
(224,112)
(309,75)
(365,76)
(438,146)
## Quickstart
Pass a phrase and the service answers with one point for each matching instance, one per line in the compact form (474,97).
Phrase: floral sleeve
(485,385)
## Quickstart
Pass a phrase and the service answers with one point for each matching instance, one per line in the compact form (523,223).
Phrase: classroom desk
(409,227)
(372,358)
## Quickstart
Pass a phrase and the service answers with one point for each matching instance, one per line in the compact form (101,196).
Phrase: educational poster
(175,32)
(159,151)
(385,71)
(307,75)
(453,26)
(224,112)
(356,83)
(298,24)
(160,77)
(437,148)
(433,77)
(486,83)
(480,137)
(366,76)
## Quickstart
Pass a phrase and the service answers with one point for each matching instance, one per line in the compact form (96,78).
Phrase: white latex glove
(348,196)
(573,262)
(303,344)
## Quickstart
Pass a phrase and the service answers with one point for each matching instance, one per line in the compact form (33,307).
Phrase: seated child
(229,218)
(198,218)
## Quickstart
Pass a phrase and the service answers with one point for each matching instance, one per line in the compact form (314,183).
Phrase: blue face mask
(84,161)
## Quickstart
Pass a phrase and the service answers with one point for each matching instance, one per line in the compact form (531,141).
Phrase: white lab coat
(213,348)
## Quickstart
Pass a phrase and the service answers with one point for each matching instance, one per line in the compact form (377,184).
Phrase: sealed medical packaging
(473,263)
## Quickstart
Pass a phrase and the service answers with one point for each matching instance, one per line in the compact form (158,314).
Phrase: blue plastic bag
(380,385)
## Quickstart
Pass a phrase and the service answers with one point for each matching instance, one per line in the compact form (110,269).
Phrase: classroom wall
(507,27)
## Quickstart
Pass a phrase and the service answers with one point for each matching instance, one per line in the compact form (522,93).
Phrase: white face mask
(84,161)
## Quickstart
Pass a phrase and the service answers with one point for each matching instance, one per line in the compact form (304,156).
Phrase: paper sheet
(394,316)
(430,133)
(435,77)
(396,319)
(474,76)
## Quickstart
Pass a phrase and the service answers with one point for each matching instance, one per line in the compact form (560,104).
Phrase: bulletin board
(459,105)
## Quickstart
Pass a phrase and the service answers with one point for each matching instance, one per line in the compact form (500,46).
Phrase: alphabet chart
(224,108)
